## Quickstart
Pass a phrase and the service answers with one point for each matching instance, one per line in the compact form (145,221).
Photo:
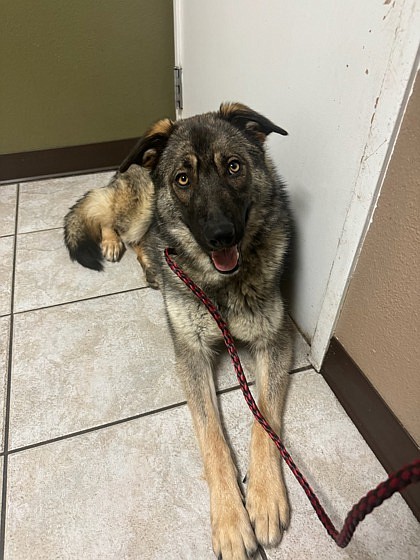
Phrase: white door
(336,76)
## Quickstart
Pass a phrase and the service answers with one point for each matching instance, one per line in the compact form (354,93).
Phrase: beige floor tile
(6,272)
(381,536)
(129,492)
(46,276)
(341,468)
(43,204)
(135,490)
(88,363)
(4,353)
(7,209)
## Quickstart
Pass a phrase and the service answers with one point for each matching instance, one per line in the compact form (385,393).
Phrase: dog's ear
(149,147)
(254,125)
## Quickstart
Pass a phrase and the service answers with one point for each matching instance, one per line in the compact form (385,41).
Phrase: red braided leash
(396,481)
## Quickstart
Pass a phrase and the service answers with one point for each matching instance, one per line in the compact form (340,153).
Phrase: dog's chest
(250,304)
(250,313)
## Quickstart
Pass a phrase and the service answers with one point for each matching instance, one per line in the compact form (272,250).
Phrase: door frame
(391,101)
(385,127)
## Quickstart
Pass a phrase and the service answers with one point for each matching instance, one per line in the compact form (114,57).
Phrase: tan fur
(229,518)
(141,255)
(147,265)
(266,499)
(164,126)
(229,108)
(111,244)
(111,216)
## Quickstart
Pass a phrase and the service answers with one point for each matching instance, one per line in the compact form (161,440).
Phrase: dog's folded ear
(149,147)
(254,125)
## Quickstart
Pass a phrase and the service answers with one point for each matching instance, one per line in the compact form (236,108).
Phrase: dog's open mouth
(226,260)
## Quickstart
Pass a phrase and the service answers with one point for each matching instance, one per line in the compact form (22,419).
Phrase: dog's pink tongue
(225,260)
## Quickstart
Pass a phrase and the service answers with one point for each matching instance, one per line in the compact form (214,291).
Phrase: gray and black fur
(205,187)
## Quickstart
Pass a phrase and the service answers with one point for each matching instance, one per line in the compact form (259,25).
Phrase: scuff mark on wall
(366,157)
(389,11)
(374,112)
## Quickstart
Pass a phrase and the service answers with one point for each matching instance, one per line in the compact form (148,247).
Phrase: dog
(205,187)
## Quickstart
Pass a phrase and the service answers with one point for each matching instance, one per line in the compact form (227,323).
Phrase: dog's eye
(182,180)
(234,166)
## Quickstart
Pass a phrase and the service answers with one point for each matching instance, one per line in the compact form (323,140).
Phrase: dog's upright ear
(150,146)
(255,126)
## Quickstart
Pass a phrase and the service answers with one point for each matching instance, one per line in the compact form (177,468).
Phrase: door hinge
(178,87)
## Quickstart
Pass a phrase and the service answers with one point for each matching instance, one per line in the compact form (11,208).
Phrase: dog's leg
(232,534)
(147,266)
(111,245)
(266,500)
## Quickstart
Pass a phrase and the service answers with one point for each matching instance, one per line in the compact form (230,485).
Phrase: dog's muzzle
(221,240)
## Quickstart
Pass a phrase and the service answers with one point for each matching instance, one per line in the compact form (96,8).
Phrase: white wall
(334,74)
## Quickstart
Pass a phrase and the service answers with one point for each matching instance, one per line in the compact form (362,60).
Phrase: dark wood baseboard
(382,431)
(57,162)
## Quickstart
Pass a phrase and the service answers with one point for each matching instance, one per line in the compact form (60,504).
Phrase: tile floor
(99,457)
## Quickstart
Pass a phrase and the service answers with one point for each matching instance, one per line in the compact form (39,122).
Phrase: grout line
(115,422)
(233,388)
(63,303)
(39,230)
(8,390)
(128,419)
(98,428)
(302,369)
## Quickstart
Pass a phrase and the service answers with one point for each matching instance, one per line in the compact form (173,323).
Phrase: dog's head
(207,165)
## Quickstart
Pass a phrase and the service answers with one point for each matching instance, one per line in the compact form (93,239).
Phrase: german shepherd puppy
(205,187)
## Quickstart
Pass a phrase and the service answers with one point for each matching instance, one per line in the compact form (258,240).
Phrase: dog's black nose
(220,235)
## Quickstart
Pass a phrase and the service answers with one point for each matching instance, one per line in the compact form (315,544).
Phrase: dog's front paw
(112,249)
(268,507)
(232,534)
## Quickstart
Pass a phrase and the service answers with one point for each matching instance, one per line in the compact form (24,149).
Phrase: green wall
(83,71)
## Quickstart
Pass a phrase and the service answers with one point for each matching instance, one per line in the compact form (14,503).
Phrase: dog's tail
(83,225)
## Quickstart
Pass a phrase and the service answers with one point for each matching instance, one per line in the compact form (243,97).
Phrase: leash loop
(396,482)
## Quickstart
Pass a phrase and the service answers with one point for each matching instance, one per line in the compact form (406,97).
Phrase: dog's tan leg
(147,266)
(232,534)
(266,500)
(111,245)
